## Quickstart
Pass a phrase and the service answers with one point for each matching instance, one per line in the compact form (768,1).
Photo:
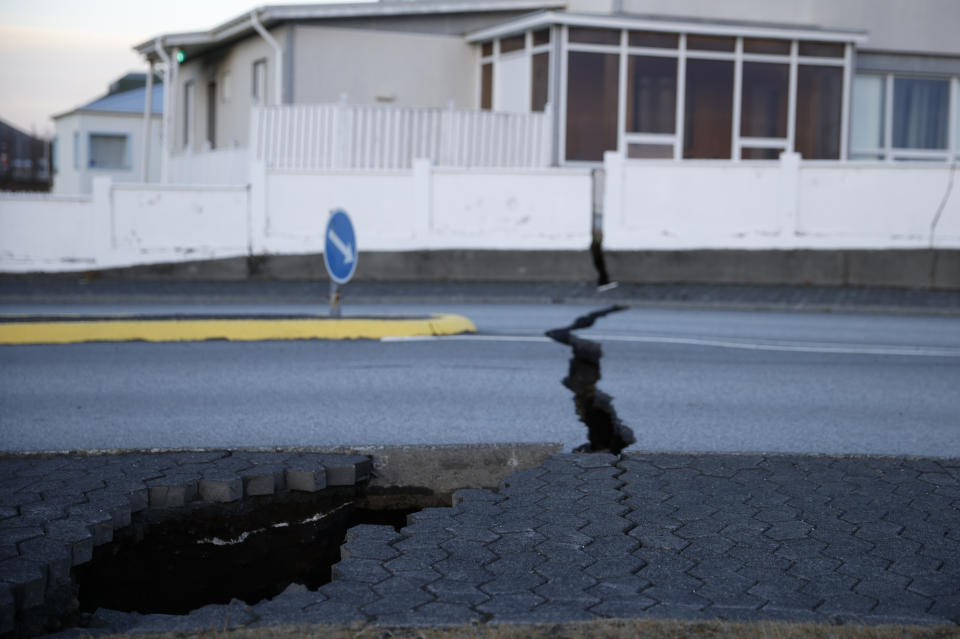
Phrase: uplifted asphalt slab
(829,539)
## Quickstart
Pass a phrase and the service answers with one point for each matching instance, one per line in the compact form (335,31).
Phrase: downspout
(147,117)
(168,88)
(278,50)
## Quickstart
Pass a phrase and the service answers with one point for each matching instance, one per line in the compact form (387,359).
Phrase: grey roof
(125,102)
(270,15)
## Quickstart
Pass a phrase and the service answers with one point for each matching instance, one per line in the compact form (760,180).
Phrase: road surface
(682,379)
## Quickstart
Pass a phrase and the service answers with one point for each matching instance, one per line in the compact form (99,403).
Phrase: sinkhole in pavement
(173,563)
(606,433)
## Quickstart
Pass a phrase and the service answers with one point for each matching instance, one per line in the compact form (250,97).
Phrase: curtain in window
(920,113)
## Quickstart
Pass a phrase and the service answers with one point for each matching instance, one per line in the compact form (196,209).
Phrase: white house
(105,138)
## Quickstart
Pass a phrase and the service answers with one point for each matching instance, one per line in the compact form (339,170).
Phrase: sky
(59,54)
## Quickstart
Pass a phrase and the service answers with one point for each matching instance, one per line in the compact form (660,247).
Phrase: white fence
(353,137)
(221,166)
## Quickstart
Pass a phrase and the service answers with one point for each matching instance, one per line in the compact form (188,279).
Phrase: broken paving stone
(306,478)
(263,480)
(220,487)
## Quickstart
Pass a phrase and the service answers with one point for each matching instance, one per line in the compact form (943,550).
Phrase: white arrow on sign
(346,249)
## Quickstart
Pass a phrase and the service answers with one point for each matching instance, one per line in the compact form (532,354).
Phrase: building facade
(863,80)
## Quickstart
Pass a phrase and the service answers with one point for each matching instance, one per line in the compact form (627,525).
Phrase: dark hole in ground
(605,432)
(173,564)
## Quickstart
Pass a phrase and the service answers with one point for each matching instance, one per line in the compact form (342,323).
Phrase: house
(24,161)
(657,79)
(106,137)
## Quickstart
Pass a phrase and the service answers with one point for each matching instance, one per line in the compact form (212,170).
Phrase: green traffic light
(181,56)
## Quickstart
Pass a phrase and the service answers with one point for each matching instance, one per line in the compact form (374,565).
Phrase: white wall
(122,225)
(429,208)
(416,69)
(778,205)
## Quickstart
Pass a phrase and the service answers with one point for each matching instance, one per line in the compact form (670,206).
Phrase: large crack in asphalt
(606,433)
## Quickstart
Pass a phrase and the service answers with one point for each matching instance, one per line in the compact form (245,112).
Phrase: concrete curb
(123,329)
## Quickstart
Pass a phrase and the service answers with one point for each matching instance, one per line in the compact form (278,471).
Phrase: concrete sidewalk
(866,540)
(73,289)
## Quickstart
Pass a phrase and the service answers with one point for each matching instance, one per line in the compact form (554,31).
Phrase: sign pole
(334,299)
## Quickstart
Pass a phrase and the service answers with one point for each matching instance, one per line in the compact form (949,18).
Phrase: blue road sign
(340,247)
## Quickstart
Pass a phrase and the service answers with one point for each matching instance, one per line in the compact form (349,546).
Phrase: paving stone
(8,608)
(26,579)
(450,590)
(172,491)
(75,536)
(54,555)
(505,604)
(98,520)
(511,584)
(340,590)
(363,570)
(346,470)
(445,613)
(335,612)
(220,487)
(305,477)
(515,563)
(608,567)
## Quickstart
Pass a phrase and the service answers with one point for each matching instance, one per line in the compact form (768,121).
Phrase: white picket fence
(363,137)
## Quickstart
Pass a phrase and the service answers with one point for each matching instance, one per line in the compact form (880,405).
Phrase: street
(683,380)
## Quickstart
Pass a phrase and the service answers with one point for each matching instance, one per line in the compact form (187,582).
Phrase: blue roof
(127,102)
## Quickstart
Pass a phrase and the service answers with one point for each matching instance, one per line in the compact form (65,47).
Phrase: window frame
(682,54)
(887,152)
(127,163)
(527,52)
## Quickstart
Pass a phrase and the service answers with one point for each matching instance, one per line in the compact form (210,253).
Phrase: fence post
(788,197)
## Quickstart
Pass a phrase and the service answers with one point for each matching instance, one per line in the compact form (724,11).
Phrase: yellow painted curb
(239,329)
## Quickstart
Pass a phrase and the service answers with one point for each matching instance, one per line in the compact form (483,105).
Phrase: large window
(515,72)
(819,112)
(899,117)
(708,109)
(703,96)
(188,110)
(592,94)
(258,83)
(107,151)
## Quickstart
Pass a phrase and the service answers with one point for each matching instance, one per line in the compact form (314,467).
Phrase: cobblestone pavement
(55,510)
(738,537)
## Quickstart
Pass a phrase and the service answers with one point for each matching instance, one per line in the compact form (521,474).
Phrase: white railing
(221,166)
(359,137)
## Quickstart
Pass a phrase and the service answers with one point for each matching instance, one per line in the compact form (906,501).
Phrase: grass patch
(600,629)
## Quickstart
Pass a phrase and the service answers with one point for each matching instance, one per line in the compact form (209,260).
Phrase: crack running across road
(605,432)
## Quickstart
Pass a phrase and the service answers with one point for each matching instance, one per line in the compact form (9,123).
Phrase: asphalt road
(682,379)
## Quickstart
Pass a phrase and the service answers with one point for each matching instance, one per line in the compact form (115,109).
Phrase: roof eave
(272,15)
(543,19)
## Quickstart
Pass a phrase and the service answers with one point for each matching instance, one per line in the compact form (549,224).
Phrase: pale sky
(59,54)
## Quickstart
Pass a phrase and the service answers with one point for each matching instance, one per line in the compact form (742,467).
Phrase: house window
(539,81)
(514,43)
(258,84)
(76,149)
(107,151)
(55,154)
(920,113)
(708,110)
(763,106)
(651,94)
(211,115)
(819,111)
(188,102)
(896,117)
(592,94)
(867,118)
(486,86)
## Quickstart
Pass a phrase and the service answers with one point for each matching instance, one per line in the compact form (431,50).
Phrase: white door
(512,84)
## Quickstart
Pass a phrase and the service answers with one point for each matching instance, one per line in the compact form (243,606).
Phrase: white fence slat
(375,137)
